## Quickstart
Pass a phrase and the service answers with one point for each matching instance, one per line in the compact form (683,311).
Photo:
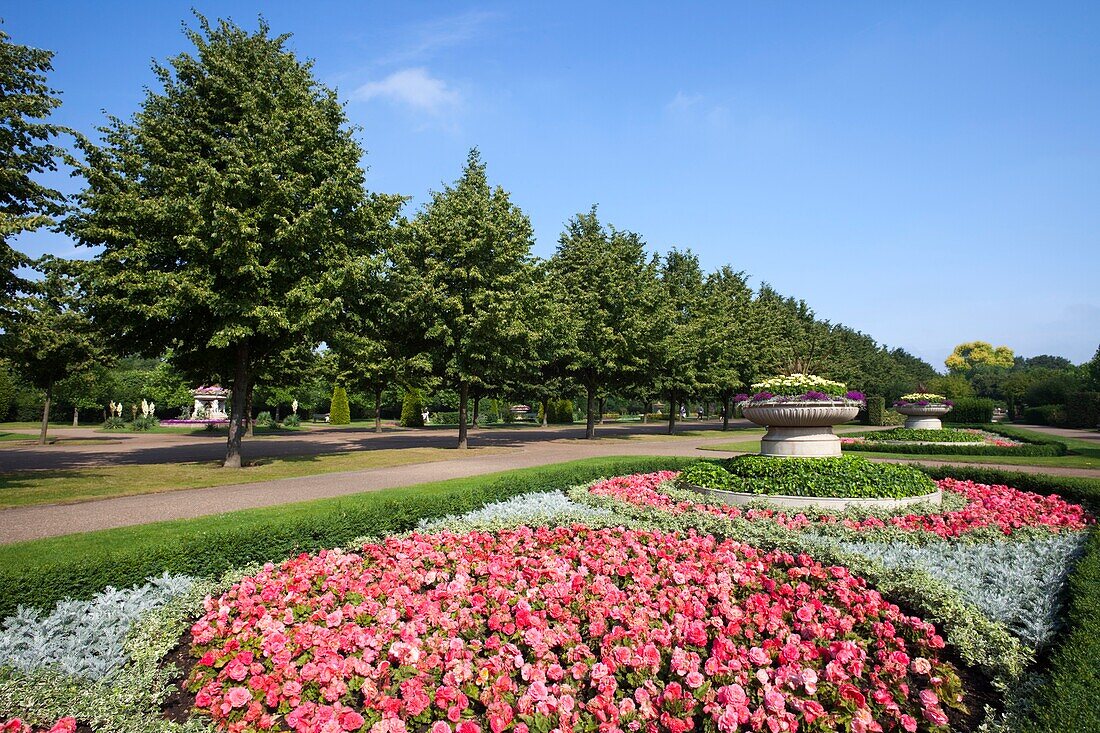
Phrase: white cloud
(427,39)
(683,101)
(414,88)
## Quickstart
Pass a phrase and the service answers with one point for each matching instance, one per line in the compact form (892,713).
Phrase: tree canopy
(26,150)
(227,211)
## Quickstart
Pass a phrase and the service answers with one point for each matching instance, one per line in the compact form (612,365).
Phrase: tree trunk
(645,412)
(241,390)
(277,415)
(463,428)
(672,406)
(378,410)
(477,408)
(76,417)
(590,426)
(46,415)
(545,411)
(603,404)
(250,430)
(726,403)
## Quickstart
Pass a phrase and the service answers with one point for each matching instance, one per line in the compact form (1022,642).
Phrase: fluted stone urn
(800,429)
(924,417)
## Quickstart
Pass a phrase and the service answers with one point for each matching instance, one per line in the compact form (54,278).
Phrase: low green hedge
(43,572)
(1065,701)
(1032,446)
(847,476)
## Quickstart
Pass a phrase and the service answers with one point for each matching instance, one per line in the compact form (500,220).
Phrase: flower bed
(800,388)
(922,399)
(996,441)
(197,423)
(529,630)
(848,476)
(918,435)
(1000,509)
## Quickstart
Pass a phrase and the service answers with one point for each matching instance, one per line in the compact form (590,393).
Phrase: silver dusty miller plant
(83,638)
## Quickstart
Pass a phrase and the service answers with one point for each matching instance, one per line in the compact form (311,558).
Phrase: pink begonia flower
(239,696)
(484,629)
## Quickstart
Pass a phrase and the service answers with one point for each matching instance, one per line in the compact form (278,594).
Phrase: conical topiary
(412,410)
(340,412)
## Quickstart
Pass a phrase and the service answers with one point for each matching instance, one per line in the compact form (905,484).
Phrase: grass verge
(26,488)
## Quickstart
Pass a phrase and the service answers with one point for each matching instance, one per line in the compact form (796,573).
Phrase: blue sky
(837,151)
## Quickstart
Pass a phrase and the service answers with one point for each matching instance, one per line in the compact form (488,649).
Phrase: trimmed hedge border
(1065,698)
(1033,447)
(332,523)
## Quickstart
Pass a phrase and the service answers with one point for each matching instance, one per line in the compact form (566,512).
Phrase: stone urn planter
(923,417)
(800,429)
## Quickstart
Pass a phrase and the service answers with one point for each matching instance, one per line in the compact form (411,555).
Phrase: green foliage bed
(947,435)
(846,476)
(1032,446)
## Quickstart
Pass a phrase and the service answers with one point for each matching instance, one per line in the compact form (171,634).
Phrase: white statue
(294,407)
(118,409)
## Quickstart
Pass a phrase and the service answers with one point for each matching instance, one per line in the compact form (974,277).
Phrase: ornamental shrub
(971,410)
(292,421)
(1083,410)
(142,423)
(560,412)
(875,413)
(412,409)
(1054,415)
(264,420)
(114,422)
(846,476)
(339,413)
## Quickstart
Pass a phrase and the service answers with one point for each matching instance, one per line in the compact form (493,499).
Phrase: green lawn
(18,436)
(25,488)
(1083,453)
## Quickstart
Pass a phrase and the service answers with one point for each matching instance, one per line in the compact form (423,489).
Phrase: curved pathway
(514,448)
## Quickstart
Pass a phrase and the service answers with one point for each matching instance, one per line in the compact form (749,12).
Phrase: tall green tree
(26,150)
(606,290)
(466,272)
(226,209)
(972,354)
(731,333)
(376,345)
(50,336)
(687,351)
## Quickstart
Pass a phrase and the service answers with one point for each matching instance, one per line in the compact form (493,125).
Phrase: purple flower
(949,403)
(761,396)
(813,395)
(856,395)
(923,403)
(740,397)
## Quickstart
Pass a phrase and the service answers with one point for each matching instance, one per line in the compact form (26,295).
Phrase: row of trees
(232,231)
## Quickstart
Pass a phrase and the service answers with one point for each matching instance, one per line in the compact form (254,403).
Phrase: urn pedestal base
(923,417)
(800,442)
(916,422)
